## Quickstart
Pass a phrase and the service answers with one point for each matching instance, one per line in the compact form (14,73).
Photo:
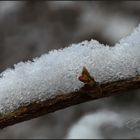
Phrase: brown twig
(85,94)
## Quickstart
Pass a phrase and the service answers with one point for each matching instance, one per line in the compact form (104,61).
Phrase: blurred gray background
(31,28)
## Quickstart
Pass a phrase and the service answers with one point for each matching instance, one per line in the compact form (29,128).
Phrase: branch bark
(86,93)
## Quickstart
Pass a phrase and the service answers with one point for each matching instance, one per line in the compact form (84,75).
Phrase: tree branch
(62,101)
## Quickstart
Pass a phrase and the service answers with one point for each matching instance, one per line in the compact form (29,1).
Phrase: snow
(105,124)
(57,72)
(88,127)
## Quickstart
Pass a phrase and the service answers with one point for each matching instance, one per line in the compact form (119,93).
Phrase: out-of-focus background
(31,28)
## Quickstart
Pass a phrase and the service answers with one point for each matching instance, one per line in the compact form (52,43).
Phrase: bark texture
(86,93)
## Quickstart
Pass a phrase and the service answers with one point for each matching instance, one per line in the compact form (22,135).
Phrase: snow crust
(57,72)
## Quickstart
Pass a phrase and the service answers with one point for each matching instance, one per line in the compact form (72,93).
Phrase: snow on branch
(50,82)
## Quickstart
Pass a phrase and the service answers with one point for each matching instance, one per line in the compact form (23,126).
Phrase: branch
(62,101)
